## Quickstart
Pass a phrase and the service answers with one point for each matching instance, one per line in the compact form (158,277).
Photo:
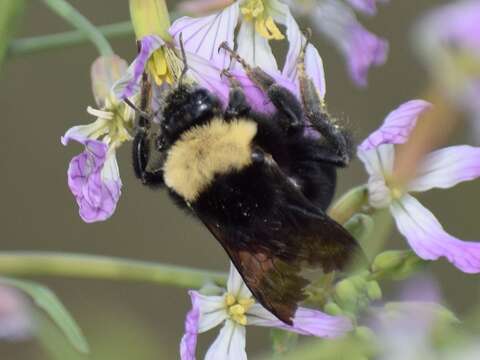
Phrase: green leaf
(48,301)
(10,11)
(283,341)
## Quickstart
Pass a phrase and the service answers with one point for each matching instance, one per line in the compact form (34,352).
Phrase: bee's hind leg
(237,101)
(339,149)
(284,101)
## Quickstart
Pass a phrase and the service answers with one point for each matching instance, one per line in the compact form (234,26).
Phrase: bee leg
(141,147)
(340,146)
(285,102)
(237,101)
(141,150)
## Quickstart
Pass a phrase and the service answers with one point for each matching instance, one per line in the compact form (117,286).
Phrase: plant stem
(103,268)
(71,15)
(70,38)
(10,12)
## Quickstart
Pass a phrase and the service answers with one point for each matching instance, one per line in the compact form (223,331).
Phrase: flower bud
(398,264)
(389,260)
(105,72)
(374,291)
(333,309)
(360,226)
(150,17)
(346,292)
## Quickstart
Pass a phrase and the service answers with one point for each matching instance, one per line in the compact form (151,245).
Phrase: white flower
(443,168)
(236,308)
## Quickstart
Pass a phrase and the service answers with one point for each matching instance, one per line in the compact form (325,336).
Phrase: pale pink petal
(256,97)
(254,48)
(203,35)
(296,40)
(397,126)
(379,165)
(188,344)
(361,49)
(129,84)
(447,167)
(235,284)
(314,69)
(306,322)
(367,7)
(207,75)
(229,344)
(429,240)
(16,322)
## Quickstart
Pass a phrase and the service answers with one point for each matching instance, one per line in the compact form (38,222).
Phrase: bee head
(186,107)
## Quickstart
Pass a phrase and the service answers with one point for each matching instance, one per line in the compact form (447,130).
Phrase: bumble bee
(258,182)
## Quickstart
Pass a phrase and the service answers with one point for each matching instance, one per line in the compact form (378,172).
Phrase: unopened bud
(374,291)
(333,309)
(346,292)
(150,17)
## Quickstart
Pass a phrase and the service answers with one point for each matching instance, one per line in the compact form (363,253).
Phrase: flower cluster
(251,26)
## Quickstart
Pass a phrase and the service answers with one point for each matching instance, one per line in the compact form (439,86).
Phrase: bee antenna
(184,59)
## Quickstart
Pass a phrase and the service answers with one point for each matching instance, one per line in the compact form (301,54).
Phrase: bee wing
(270,261)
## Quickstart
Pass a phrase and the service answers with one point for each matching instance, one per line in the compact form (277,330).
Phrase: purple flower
(448,41)
(361,49)
(236,309)
(367,7)
(93,176)
(15,320)
(94,179)
(443,168)
(202,38)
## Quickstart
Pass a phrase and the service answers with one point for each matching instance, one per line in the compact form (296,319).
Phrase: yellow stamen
(230,299)
(164,66)
(237,308)
(254,10)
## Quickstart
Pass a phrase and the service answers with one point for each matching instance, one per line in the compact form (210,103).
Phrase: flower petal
(94,180)
(314,69)
(235,284)
(361,48)
(188,343)
(306,322)
(397,126)
(207,75)
(104,73)
(429,240)
(254,48)
(203,35)
(229,344)
(447,167)
(379,165)
(129,84)
(16,322)
(367,7)
(211,310)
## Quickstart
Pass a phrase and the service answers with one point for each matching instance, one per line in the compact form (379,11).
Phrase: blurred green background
(42,95)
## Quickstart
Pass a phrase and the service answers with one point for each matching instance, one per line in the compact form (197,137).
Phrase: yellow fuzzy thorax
(206,151)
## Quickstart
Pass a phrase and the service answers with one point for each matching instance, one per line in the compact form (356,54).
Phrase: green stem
(55,41)
(103,268)
(71,15)
(10,12)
